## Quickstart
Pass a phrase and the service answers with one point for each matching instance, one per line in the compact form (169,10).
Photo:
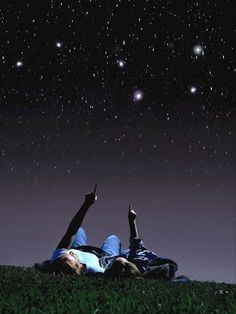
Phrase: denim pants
(111,246)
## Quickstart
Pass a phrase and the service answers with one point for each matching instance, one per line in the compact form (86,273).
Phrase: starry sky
(135,96)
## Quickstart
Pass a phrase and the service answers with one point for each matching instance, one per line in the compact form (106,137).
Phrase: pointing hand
(91,197)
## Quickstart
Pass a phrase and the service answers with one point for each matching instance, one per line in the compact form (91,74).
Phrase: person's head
(68,264)
(121,267)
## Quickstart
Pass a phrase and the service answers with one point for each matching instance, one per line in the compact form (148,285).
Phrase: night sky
(136,96)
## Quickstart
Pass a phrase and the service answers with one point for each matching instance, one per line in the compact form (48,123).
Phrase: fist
(90,198)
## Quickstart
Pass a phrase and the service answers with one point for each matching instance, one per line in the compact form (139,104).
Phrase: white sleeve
(58,253)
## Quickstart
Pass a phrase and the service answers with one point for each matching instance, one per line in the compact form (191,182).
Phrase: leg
(112,246)
(80,238)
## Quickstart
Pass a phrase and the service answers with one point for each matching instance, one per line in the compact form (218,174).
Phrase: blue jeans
(111,246)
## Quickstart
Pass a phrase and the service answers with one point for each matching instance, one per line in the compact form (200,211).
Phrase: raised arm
(76,222)
(132,223)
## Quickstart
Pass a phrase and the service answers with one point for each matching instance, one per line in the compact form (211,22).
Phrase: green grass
(25,290)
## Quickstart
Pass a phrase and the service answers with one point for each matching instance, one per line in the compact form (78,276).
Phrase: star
(58,44)
(19,64)
(198,50)
(121,63)
(138,95)
(193,89)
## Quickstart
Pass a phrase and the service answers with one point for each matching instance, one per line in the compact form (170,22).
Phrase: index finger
(95,188)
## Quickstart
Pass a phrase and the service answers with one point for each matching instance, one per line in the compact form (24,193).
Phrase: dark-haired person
(74,256)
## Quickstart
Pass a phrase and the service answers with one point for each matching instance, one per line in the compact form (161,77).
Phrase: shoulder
(58,253)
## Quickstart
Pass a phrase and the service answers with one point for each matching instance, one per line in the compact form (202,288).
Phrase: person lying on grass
(74,256)
(137,261)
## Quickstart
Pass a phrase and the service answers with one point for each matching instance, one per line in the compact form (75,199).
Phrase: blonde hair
(121,267)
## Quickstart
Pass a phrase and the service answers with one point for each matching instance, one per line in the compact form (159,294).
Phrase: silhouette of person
(74,256)
(139,261)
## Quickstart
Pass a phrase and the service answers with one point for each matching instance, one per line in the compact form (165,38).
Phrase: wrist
(86,205)
(131,219)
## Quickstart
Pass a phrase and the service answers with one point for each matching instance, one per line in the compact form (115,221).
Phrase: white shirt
(89,259)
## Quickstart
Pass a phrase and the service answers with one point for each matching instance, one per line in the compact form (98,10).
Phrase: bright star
(193,89)
(198,50)
(121,63)
(19,64)
(138,95)
(59,44)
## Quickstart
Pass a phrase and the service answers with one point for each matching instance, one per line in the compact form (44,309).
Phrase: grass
(25,290)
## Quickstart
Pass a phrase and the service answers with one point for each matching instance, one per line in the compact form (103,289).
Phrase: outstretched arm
(132,223)
(76,222)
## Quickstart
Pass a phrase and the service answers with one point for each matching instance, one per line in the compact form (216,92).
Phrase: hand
(132,214)
(90,198)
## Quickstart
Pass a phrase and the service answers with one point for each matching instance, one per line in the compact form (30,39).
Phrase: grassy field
(25,290)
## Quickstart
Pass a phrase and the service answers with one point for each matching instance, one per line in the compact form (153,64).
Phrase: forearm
(74,225)
(133,228)
(77,220)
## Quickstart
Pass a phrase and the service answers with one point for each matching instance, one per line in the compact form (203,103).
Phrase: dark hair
(62,266)
(44,266)
(59,266)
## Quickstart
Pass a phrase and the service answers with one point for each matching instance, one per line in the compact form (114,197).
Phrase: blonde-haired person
(137,261)
(121,267)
